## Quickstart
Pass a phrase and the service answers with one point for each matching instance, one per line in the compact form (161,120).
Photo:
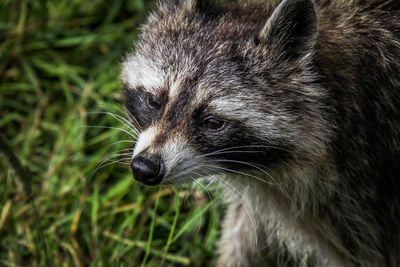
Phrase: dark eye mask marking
(145,107)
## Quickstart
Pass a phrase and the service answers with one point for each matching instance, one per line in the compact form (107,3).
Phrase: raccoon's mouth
(148,170)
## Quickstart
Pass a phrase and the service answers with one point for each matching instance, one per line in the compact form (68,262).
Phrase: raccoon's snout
(148,170)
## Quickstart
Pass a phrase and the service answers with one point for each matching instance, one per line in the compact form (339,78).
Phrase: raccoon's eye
(213,124)
(153,102)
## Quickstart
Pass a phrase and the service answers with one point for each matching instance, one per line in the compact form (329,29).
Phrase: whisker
(134,120)
(110,163)
(121,157)
(116,155)
(121,152)
(245,174)
(118,118)
(123,141)
(131,116)
(205,189)
(254,165)
(246,146)
(110,127)
(233,151)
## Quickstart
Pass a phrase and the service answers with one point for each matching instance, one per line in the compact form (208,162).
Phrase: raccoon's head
(224,89)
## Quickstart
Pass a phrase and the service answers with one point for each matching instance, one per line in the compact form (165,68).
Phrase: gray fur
(310,93)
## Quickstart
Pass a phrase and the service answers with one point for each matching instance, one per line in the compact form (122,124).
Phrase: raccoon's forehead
(138,71)
(142,72)
(176,71)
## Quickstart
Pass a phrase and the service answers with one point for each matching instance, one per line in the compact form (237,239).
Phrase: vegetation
(60,108)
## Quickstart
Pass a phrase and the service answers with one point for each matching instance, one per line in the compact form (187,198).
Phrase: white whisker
(254,165)
(135,122)
(245,174)
(110,127)
(120,119)
(121,161)
(199,183)
(245,147)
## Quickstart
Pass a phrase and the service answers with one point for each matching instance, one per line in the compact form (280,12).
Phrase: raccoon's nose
(149,171)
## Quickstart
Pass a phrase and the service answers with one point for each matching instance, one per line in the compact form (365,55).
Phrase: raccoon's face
(210,95)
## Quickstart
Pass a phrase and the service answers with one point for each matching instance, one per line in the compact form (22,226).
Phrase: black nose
(148,170)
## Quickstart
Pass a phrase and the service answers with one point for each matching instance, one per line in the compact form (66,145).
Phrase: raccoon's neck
(286,213)
(302,190)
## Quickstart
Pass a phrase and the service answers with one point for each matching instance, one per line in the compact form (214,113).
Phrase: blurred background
(61,113)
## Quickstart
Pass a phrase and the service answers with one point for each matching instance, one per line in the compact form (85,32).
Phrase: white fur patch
(137,71)
(144,141)
(177,157)
(175,87)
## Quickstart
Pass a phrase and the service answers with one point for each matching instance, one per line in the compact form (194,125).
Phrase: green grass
(59,68)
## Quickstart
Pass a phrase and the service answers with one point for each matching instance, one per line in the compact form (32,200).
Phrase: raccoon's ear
(291,29)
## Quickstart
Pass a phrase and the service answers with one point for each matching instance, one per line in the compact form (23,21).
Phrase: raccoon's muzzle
(148,170)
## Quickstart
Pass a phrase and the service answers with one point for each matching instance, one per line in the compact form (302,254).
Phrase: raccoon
(293,107)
